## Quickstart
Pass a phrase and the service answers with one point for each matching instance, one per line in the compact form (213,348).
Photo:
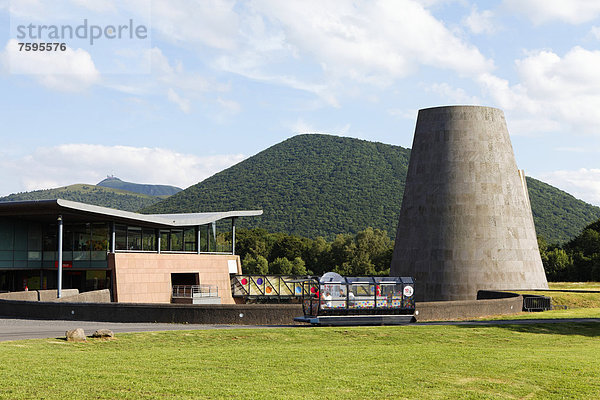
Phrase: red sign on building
(66,264)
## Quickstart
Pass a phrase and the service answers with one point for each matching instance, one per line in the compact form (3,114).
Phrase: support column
(158,244)
(214,234)
(198,238)
(113,238)
(232,235)
(60,255)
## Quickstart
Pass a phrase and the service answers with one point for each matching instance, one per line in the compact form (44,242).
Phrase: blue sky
(215,82)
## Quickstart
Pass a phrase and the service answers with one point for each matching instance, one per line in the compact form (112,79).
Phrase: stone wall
(146,277)
(240,314)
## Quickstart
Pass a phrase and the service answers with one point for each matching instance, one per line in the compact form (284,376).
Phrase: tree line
(369,252)
(577,260)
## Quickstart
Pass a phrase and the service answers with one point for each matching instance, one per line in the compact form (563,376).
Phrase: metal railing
(266,286)
(536,303)
(191,291)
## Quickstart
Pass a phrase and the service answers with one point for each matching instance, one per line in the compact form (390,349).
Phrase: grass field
(557,361)
(570,299)
(574,285)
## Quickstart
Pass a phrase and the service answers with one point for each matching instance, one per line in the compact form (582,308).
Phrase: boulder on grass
(104,334)
(75,335)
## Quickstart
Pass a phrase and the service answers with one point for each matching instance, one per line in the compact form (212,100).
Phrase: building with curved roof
(55,244)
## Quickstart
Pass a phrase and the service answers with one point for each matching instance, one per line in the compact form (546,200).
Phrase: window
(176,239)
(121,237)
(134,238)
(165,239)
(99,246)
(189,235)
(148,239)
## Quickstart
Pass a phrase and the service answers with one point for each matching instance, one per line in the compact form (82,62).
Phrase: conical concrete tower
(465,222)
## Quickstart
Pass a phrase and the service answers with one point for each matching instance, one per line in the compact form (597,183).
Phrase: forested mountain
(90,194)
(150,190)
(558,216)
(322,185)
(578,260)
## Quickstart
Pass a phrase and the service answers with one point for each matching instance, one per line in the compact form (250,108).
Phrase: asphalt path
(20,329)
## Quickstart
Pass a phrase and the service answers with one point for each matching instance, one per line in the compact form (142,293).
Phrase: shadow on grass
(589,329)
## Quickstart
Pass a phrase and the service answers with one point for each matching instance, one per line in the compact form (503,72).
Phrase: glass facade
(29,256)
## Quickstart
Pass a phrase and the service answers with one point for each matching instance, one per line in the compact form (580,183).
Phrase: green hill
(558,216)
(150,190)
(314,185)
(90,194)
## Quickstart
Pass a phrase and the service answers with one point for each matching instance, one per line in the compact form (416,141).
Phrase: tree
(298,266)
(288,246)
(281,266)
(255,266)
(556,264)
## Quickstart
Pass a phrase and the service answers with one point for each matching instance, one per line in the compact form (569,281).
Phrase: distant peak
(110,178)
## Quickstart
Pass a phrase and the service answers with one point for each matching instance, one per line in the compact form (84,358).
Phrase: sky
(204,84)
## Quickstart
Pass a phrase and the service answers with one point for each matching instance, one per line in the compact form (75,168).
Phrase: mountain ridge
(323,185)
(90,194)
(142,188)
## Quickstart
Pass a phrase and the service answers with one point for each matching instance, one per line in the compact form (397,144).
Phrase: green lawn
(554,361)
(574,285)
(570,299)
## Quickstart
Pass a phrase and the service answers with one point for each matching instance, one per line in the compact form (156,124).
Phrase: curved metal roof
(59,206)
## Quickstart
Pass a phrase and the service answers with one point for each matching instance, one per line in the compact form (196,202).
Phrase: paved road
(18,329)
(514,321)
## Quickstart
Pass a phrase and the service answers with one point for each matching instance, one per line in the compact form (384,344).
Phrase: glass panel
(224,236)
(385,295)
(49,235)
(363,295)
(82,240)
(189,239)
(165,237)
(203,238)
(148,240)
(20,242)
(134,238)
(212,237)
(34,242)
(177,240)
(100,234)
(6,235)
(6,255)
(95,280)
(99,255)
(67,238)
(120,237)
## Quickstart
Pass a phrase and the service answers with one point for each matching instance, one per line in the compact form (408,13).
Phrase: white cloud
(404,113)
(480,22)
(582,183)
(553,90)
(184,104)
(455,95)
(301,126)
(542,11)
(344,39)
(230,106)
(595,32)
(70,70)
(49,167)
(339,45)
(212,23)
